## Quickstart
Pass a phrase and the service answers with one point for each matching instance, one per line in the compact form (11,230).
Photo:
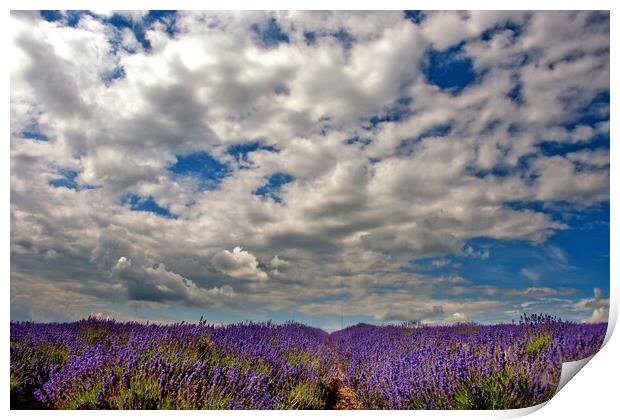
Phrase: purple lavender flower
(106,364)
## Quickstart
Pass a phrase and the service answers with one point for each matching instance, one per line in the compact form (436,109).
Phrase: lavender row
(464,366)
(95,364)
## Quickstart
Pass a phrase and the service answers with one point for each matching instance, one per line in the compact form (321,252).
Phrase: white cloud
(598,315)
(462,25)
(598,305)
(159,284)
(455,318)
(239,264)
(353,215)
(278,263)
(122,264)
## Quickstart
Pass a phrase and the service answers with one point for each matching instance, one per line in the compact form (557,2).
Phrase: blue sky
(571,258)
(324,167)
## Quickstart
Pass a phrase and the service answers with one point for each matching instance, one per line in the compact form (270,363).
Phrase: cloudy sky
(328,168)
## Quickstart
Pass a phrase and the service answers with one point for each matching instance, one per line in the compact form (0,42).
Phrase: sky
(322,167)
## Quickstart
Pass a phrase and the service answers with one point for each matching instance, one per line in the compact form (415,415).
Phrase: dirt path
(341,396)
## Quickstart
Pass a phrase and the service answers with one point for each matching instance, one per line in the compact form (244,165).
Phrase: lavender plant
(99,364)
(94,364)
(464,366)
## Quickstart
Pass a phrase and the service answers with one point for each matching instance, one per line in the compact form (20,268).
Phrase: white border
(592,395)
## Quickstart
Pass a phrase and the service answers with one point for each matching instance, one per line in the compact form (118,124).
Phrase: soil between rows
(341,396)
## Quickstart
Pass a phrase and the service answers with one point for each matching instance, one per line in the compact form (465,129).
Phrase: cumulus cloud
(158,284)
(279,266)
(598,305)
(277,262)
(598,315)
(456,318)
(239,264)
(463,25)
(385,166)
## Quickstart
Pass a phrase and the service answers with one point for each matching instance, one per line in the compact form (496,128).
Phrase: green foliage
(101,335)
(415,404)
(203,350)
(216,402)
(376,402)
(305,397)
(262,368)
(177,356)
(44,355)
(84,398)
(16,381)
(95,335)
(491,393)
(295,357)
(56,355)
(537,344)
(142,393)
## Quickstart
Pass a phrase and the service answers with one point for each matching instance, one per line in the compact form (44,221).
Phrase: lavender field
(100,364)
